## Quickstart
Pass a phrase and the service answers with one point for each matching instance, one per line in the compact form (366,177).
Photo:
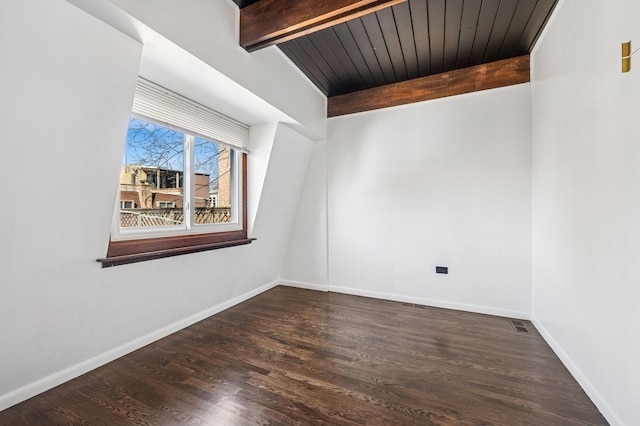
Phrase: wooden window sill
(122,252)
(132,251)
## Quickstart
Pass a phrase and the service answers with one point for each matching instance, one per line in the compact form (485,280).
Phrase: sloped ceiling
(392,45)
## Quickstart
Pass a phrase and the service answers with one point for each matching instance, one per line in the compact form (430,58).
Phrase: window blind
(169,108)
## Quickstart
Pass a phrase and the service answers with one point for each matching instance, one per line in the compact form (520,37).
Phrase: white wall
(278,204)
(65,104)
(446,182)
(57,133)
(305,263)
(586,199)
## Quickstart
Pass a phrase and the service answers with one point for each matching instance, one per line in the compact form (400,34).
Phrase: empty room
(378,212)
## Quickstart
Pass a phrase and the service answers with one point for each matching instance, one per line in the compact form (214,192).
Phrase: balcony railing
(168,217)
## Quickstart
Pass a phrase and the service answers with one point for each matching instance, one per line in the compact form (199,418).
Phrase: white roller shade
(176,111)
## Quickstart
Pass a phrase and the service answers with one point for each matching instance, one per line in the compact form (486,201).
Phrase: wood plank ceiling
(406,41)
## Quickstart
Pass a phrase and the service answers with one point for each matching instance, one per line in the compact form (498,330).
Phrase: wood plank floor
(292,356)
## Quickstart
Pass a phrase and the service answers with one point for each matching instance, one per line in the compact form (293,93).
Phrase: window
(182,180)
(127,204)
(165,205)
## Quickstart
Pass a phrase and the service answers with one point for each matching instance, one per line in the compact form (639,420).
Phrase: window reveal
(182,182)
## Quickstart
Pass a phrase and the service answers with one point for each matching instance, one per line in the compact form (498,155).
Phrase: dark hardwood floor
(291,356)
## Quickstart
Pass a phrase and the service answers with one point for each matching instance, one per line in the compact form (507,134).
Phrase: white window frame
(188,227)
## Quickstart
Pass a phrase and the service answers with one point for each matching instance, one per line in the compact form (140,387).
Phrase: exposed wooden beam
(269,22)
(481,77)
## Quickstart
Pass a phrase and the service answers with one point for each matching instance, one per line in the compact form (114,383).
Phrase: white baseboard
(410,299)
(489,310)
(32,389)
(305,285)
(591,391)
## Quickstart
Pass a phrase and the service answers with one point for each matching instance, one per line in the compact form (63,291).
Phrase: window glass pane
(212,183)
(152,176)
